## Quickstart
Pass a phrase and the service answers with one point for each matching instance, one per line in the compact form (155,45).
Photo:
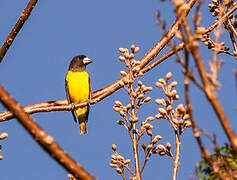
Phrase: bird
(78,90)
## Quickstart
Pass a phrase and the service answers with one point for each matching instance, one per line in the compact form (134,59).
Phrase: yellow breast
(78,86)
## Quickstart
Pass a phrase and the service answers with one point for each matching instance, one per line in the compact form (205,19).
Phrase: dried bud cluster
(133,65)
(159,149)
(178,117)
(212,45)
(217,7)
(118,162)
(71,177)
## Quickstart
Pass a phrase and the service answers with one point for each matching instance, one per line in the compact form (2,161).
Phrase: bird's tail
(82,127)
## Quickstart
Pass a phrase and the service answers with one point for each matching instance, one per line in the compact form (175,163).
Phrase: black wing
(89,100)
(69,101)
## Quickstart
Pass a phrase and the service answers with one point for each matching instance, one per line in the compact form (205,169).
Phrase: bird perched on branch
(78,90)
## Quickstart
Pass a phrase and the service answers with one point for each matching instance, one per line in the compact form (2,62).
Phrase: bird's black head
(79,63)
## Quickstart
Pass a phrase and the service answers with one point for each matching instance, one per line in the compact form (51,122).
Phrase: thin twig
(10,38)
(42,138)
(176,161)
(205,154)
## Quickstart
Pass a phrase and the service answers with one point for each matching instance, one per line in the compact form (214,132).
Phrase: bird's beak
(87,60)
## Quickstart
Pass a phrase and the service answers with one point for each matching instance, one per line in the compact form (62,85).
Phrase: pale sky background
(34,69)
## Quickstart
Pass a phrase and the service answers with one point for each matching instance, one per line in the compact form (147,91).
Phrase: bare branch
(10,38)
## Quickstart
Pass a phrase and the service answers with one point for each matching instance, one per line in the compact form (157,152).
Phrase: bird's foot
(88,103)
(73,106)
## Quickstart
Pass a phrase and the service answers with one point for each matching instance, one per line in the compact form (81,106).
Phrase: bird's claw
(88,102)
(73,106)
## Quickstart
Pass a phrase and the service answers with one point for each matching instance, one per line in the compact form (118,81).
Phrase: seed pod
(123,73)
(3,136)
(134,94)
(154,141)
(158,137)
(118,103)
(147,99)
(176,97)
(159,85)
(114,157)
(175,121)
(126,55)
(180,108)
(159,101)
(148,88)
(173,84)
(127,161)
(140,74)
(122,113)
(114,147)
(135,119)
(136,49)
(131,56)
(122,50)
(144,147)
(118,170)
(215,2)
(187,124)
(162,111)
(121,158)
(113,165)
(161,147)
(119,122)
(149,133)
(117,109)
(139,83)
(169,108)
(158,116)
(141,96)
(162,153)
(168,145)
(133,47)
(149,147)
(161,80)
(173,93)
(148,126)
(211,5)
(115,161)
(168,75)
(122,58)
(186,117)
(150,118)
(128,106)
(168,94)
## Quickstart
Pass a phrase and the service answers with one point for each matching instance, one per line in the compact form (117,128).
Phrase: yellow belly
(78,86)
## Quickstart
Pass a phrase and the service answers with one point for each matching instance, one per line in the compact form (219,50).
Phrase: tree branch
(10,38)
(43,139)
(212,96)
(102,93)
(62,105)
